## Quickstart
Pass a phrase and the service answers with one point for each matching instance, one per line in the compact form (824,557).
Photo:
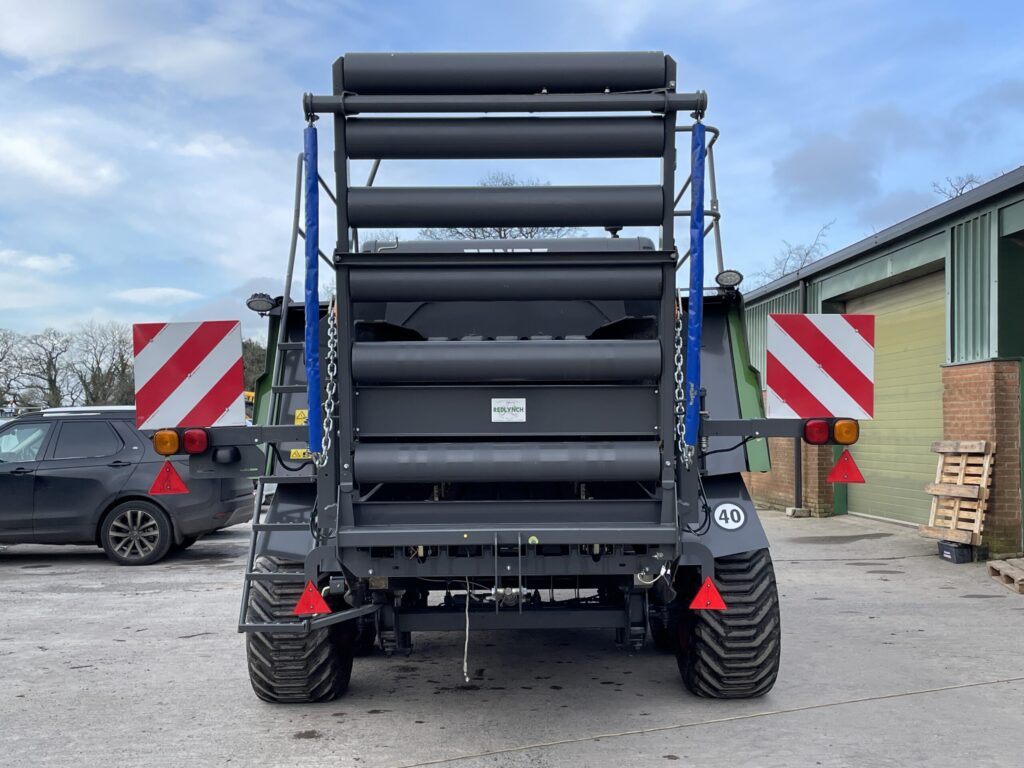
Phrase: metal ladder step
(281,527)
(277,389)
(287,479)
(284,627)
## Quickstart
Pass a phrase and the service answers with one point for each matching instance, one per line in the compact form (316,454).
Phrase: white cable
(639,577)
(465,648)
(475,584)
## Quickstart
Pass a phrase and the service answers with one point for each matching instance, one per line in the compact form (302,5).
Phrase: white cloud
(51,37)
(894,206)
(828,169)
(209,59)
(36,262)
(618,21)
(206,145)
(230,305)
(157,295)
(209,65)
(42,297)
(47,159)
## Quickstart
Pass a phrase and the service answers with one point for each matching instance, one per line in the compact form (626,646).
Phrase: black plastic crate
(956,552)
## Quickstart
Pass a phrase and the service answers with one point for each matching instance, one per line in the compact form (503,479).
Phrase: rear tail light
(845,431)
(817,431)
(195,441)
(165,442)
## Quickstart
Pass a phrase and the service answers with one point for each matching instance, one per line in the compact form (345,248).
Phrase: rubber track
(734,654)
(292,668)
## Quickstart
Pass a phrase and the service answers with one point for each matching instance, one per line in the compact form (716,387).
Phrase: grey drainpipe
(798,464)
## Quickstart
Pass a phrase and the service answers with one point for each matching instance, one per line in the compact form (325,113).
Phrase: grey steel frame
(338,476)
(363,276)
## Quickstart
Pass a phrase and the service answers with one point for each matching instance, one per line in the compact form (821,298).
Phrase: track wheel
(734,654)
(294,668)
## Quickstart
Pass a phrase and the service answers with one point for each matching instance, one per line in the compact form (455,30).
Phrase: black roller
(506,462)
(505,206)
(483,361)
(470,73)
(505,137)
(504,283)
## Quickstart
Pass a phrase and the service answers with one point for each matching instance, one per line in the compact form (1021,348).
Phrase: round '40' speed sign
(729,516)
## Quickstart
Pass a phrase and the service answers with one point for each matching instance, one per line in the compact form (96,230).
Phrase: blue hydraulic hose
(312,306)
(695,319)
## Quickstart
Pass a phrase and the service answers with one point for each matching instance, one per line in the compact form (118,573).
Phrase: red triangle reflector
(310,602)
(845,470)
(167,481)
(708,598)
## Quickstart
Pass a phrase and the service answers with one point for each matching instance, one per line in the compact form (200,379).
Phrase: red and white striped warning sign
(820,365)
(188,374)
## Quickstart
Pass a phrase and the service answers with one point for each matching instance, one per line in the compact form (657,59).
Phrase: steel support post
(666,318)
(335,480)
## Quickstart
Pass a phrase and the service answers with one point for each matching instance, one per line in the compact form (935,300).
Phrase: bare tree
(382,236)
(103,363)
(954,186)
(500,179)
(254,362)
(10,369)
(47,371)
(792,257)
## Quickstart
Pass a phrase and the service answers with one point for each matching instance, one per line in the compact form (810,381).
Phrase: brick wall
(981,401)
(775,488)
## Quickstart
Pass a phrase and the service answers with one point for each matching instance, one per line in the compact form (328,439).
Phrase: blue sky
(147,150)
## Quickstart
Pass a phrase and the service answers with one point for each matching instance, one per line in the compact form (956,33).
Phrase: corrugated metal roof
(978,196)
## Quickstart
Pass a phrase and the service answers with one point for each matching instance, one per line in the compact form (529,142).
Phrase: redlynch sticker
(508,409)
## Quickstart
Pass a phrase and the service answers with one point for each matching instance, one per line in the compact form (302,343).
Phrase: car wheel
(135,533)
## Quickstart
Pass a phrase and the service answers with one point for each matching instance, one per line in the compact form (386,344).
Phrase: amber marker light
(845,431)
(165,442)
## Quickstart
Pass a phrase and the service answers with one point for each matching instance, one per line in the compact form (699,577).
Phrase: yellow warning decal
(301,418)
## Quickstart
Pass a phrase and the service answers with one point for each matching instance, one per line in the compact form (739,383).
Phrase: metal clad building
(946,287)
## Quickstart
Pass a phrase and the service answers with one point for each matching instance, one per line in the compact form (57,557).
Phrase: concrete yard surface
(891,657)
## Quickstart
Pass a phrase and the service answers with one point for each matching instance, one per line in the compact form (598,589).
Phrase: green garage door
(894,448)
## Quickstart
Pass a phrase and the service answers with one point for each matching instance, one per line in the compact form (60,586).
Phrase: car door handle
(119,464)
(21,471)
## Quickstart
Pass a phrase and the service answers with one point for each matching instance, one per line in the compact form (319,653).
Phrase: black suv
(83,476)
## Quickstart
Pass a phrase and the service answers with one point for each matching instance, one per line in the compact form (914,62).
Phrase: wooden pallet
(960,491)
(1009,573)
